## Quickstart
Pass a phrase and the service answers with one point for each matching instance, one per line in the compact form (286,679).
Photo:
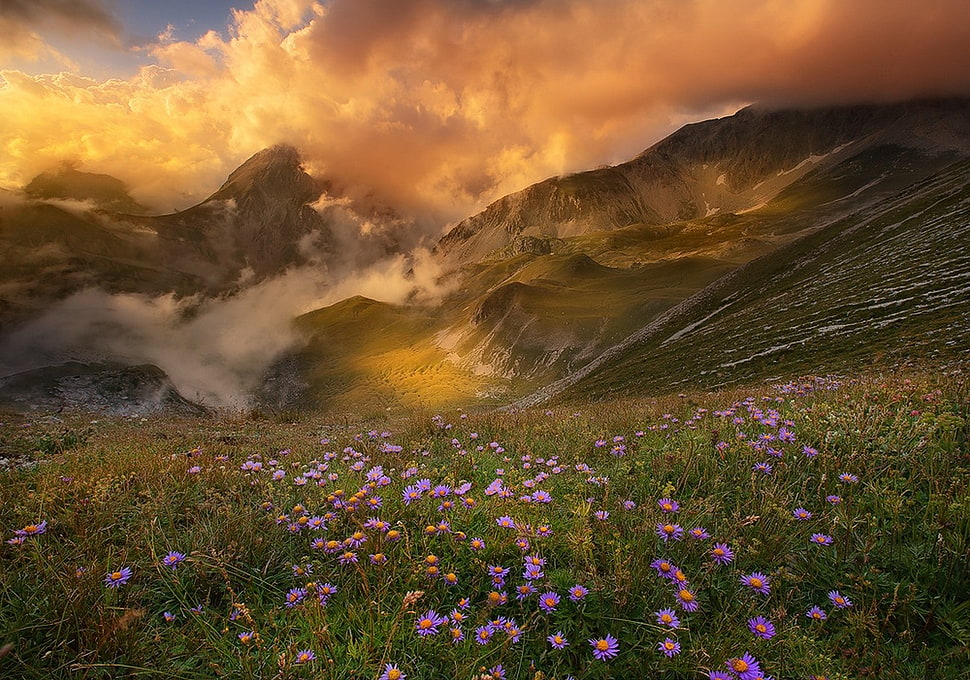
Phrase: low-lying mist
(215,350)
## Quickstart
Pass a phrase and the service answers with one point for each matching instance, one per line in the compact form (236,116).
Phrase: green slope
(887,283)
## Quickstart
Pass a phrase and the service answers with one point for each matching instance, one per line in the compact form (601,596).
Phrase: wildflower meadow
(818,528)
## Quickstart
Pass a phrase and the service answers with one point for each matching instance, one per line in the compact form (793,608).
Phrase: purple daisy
(746,667)
(304,656)
(173,559)
(668,531)
(816,613)
(722,554)
(839,600)
(548,601)
(557,640)
(578,593)
(668,618)
(483,634)
(429,623)
(687,599)
(669,647)
(758,582)
(821,539)
(605,647)
(668,505)
(392,672)
(116,579)
(761,627)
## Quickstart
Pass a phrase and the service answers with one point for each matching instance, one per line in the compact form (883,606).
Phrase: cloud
(24,22)
(440,106)
(216,351)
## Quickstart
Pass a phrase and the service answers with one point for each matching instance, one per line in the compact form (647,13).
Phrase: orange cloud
(440,106)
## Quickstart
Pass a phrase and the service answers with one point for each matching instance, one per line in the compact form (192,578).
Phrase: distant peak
(67,182)
(276,173)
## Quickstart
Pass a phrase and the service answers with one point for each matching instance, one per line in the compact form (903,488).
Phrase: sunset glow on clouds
(440,106)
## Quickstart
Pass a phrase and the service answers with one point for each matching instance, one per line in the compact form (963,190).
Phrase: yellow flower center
(756,582)
(686,595)
(115,575)
(602,645)
(666,618)
(739,665)
(394,674)
(668,528)
(424,624)
(761,628)
(668,645)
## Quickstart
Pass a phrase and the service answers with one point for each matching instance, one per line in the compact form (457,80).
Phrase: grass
(126,493)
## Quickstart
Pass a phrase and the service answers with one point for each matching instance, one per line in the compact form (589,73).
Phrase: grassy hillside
(882,284)
(201,549)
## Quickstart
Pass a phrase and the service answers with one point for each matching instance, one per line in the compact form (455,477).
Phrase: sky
(435,106)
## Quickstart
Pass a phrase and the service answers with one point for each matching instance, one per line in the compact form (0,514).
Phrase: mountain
(729,165)
(68,183)
(255,222)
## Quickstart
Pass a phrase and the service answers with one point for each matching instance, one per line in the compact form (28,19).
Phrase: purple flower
(115,579)
(496,673)
(847,478)
(173,559)
(816,613)
(668,618)
(295,596)
(483,634)
(392,672)
(668,531)
(668,505)
(699,533)
(839,600)
(304,656)
(601,515)
(821,539)
(801,513)
(32,529)
(834,500)
(548,601)
(246,636)
(669,647)
(746,667)
(687,599)
(762,467)
(578,593)
(429,623)
(557,640)
(605,647)
(761,627)
(758,582)
(722,554)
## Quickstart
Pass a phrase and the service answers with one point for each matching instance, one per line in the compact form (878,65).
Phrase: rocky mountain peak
(273,175)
